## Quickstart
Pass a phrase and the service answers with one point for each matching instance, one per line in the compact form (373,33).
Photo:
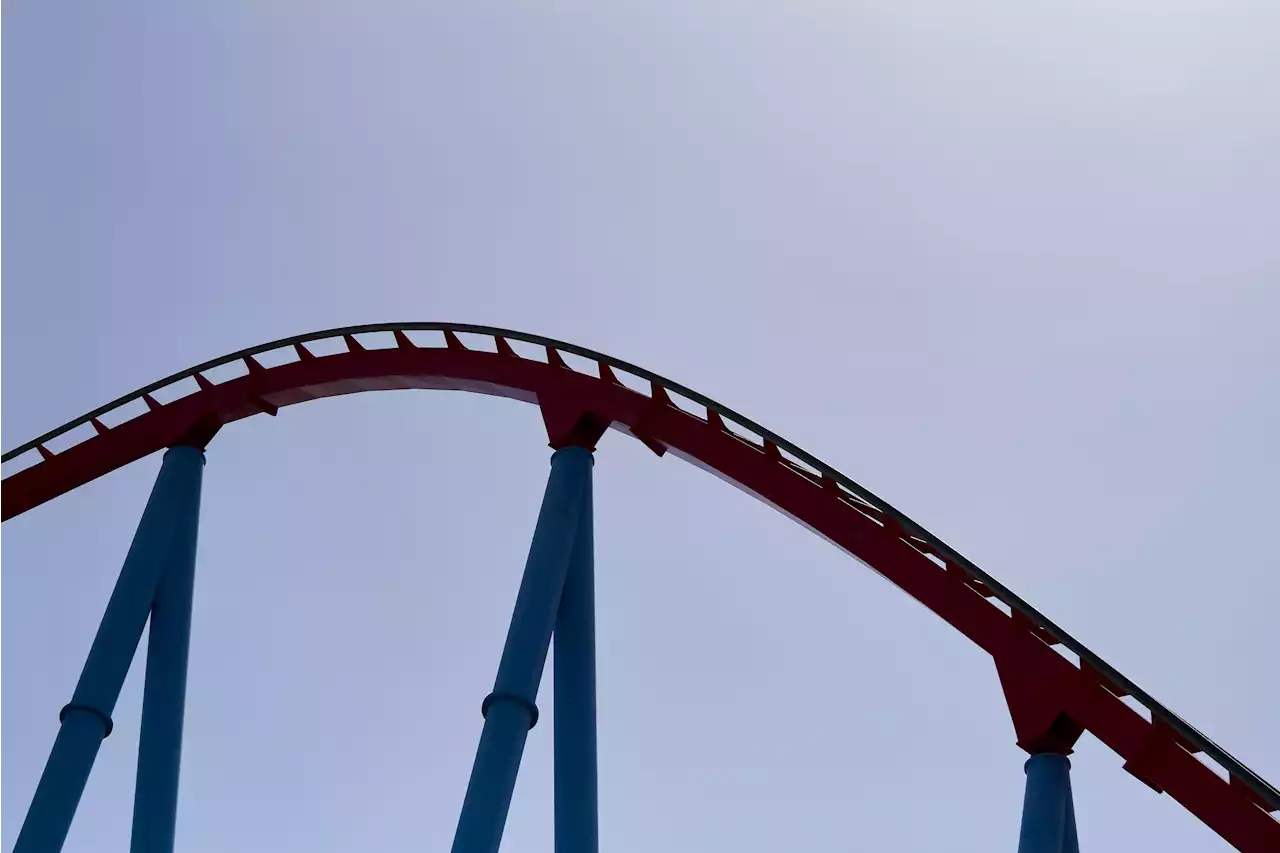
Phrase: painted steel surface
(574,712)
(163,544)
(510,710)
(1052,699)
(1048,812)
(164,692)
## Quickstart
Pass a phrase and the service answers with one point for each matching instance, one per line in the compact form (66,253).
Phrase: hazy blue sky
(1013,265)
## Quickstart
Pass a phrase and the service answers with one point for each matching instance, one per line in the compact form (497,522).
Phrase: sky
(1011,265)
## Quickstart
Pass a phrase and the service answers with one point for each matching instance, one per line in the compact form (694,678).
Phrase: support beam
(1070,843)
(155,798)
(1048,813)
(510,710)
(86,719)
(574,717)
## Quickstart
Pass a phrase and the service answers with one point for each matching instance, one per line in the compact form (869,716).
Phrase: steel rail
(862,498)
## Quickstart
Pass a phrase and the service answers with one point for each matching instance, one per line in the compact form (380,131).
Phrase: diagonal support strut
(509,710)
(164,543)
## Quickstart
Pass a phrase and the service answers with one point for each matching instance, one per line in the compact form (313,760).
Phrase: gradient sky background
(1012,265)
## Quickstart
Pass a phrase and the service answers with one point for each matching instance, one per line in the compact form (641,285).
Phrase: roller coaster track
(1052,699)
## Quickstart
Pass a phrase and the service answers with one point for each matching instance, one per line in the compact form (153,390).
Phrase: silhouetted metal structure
(1052,699)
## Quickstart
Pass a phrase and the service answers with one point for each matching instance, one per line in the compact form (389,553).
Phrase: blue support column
(86,720)
(577,822)
(155,798)
(1070,843)
(510,710)
(1048,815)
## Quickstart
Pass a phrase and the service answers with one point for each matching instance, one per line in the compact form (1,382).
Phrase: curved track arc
(264,389)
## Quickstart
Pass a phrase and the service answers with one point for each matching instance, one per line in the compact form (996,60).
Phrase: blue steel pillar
(173,507)
(1048,813)
(1070,843)
(155,798)
(574,664)
(509,710)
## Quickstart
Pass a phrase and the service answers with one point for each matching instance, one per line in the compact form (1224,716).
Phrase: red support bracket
(205,384)
(607,374)
(200,433)
(451,340)
(353,345)
(253,365)
(555,360)
(1036,701)
(569,424)
(504,347)
(98,426)
(402,340)
(659,395)
(151,402)
(639,428)
(1154,757)
(263,406)
(658,448)
(304,354)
